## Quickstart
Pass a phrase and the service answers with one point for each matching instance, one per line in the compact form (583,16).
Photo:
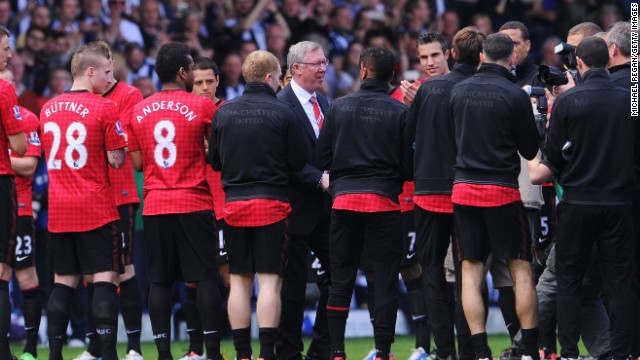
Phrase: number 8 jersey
(169,128)
(78,128)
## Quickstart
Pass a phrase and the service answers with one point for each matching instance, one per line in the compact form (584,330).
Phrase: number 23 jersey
(78,127)
(169,128)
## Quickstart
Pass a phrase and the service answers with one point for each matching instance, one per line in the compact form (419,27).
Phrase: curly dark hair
(171,57)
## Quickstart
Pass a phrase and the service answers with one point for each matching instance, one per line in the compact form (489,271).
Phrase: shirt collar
(302,94)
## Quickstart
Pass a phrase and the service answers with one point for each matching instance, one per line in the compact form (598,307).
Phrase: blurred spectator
(34,14)
(249,22)
(146,86)
(6,14)
(67,13)
(196,35)
(483,22)
(152,25)
(35,60)
(341,25)
(60,48)
(59,83)
(276,42)
(92,23)
(609,14)
(246,48)
(548,55)
(139,64)
(342,76)
(303,20)
(449,25)
(417,17)
(26,97)
(121,31)
(231,82)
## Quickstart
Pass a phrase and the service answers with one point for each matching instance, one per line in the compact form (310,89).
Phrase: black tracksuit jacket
(256,142)
(493,121)
(621,74)
(432,128)
(593,142)
(365,143)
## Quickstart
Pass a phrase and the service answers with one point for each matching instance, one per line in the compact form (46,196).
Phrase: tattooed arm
(116,158)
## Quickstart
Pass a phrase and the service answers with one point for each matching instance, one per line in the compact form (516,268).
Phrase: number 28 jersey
(169,129)
(78,127)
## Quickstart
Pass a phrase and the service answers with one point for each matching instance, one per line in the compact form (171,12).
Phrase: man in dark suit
(309,221)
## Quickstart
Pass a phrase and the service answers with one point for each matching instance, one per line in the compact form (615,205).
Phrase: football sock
(131,305)
(242,343)
(58,319)
(32,309)
(415,296)
(160,302)
(267,343)
(192,317)
(5,320)
(94,343)
(210,310)
(105,317)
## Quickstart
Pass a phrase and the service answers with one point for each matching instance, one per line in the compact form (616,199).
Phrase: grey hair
(620,35)
(297,52)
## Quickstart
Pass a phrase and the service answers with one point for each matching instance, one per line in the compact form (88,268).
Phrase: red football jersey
(169,128)
(10,124)
(78,127)
(123,183)
(23,185)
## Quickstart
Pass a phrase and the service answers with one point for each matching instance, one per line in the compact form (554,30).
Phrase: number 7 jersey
(78,128)
(169,129)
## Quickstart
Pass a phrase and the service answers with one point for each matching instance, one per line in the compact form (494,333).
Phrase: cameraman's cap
(594,52)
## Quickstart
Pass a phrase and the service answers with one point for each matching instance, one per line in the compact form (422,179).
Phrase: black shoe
(511,354)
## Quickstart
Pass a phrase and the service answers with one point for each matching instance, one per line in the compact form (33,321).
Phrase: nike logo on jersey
(20,258)
(223,253)
(409,256)
(320,272)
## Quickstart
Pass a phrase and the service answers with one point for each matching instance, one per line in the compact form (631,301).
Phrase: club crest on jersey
(119,128)
(16,112)
(34,139)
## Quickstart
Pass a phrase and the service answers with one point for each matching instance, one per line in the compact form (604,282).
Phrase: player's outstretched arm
(18,143)
(116,158)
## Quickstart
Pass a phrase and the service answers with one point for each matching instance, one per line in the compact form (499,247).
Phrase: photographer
(574,37)
(587,130)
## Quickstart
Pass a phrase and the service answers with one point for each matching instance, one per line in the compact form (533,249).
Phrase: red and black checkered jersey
(255,212)
(10,124)
(123,183)
(481,195)
(169,128)
(215,184)
(406,197)
(23,185)
(366,203)
(78,127)
(440,203)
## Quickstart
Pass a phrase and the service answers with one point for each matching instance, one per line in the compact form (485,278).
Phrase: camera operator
(588,130)
(574,37)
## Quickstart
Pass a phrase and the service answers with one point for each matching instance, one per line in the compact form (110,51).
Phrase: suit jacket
(304,194)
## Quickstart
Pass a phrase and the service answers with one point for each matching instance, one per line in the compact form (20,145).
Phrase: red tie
(316,111)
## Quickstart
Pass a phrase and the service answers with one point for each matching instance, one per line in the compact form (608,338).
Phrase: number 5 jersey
(78,128)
